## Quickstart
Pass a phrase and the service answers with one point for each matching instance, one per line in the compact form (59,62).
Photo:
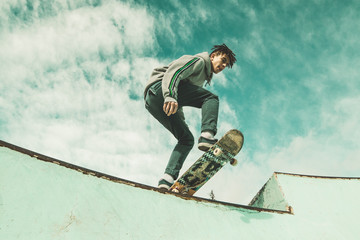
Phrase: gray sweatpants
(188,95)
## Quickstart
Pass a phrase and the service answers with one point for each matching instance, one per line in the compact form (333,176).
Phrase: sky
(72,76)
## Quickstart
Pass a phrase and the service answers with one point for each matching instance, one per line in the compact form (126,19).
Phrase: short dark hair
(224,49)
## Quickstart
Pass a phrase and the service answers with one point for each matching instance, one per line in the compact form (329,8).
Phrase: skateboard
(209,163)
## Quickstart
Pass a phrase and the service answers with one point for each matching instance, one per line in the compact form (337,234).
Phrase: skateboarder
(181,84)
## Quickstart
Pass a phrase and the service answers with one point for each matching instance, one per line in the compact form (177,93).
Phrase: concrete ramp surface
(44,198)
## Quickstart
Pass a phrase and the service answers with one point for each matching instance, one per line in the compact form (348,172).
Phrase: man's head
(221,57)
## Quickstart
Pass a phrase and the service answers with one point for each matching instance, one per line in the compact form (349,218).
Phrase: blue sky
(72,76)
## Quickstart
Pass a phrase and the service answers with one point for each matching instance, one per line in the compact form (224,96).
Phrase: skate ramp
(45,198)
(325,207)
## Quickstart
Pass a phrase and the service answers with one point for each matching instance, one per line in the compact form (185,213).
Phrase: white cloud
(331,150)
(71,88)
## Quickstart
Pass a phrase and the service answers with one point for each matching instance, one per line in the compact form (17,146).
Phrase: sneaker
(205,143)
(166,182)
(163,184)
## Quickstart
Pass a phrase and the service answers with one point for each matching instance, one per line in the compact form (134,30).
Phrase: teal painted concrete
(43,200)
(325,207)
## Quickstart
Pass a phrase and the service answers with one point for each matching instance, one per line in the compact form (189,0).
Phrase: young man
(180,84)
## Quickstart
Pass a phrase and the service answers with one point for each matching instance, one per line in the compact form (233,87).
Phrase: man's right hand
(170,108)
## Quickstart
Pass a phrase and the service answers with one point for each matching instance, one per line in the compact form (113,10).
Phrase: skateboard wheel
(217,152)
(175,190)
(233,162)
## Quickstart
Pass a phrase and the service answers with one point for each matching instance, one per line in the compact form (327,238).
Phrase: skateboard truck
(218,152)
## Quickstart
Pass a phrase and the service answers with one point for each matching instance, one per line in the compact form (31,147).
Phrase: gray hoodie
(193,69)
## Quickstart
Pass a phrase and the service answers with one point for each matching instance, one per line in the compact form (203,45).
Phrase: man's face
(219,62)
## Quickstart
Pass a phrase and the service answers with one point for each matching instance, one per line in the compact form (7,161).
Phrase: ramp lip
(316,176)
(104,176)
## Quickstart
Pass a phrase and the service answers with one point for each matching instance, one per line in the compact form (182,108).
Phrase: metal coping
(131,183)
(315,176)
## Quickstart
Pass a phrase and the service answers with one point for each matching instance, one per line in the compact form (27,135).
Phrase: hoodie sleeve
(178,70)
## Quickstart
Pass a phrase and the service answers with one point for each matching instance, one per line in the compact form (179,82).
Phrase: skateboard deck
(209,163)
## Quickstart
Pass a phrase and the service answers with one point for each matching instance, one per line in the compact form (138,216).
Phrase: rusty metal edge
(316,176)
(87,171)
